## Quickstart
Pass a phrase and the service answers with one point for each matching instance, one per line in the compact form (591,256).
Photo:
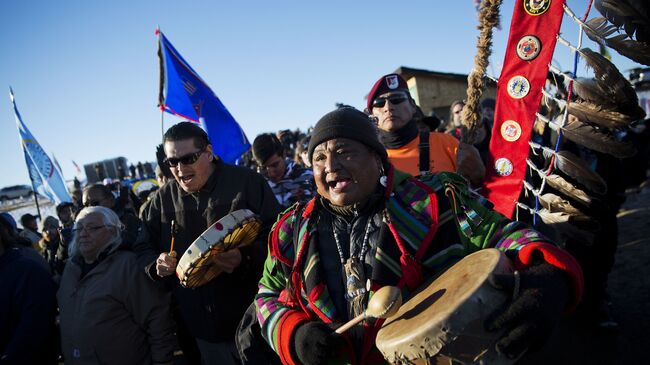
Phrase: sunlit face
(393,116)
(92,235)
(95,197)
(274,168)
(191,177)
(345,171)
(50,233)
(304,157)
(456,112)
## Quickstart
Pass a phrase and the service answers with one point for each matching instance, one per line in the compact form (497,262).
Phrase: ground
(629,288)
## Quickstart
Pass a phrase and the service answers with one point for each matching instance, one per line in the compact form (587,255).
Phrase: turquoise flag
(46,178)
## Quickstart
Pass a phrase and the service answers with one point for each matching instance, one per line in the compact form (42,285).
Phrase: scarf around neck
(400,137)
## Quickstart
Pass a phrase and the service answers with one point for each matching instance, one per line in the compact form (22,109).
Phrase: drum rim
(390,349)
(187,266)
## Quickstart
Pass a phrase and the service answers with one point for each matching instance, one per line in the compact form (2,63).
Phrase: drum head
(446,311)
(237,229)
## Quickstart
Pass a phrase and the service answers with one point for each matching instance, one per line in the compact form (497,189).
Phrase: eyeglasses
(185,160)
(89,229)
(93,204)
(394,99)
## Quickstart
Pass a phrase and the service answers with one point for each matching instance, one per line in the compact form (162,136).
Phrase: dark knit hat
(265,146)
(387,83)
(346,123)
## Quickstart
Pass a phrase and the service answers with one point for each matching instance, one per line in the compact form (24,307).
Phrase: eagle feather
(598,30)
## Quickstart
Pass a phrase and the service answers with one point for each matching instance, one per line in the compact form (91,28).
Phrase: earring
(383,179)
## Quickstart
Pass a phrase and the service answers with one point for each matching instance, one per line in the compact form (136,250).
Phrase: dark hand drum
(443,321)
(234,230)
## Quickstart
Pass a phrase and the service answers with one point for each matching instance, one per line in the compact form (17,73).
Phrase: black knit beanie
(346,123)
(265,146)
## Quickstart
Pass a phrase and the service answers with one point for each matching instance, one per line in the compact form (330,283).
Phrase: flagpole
(38,208)
(162,126)
(161,85)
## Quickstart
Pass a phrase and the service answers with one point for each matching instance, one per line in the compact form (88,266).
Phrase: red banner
(535,24)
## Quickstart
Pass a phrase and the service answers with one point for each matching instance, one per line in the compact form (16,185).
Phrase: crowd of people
(365,199)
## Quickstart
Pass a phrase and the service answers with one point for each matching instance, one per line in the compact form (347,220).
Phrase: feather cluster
(574,167)
(591,136)
(632,17)
(564,187)
(605,104)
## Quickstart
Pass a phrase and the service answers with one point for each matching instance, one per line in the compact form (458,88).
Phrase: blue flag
(46,178)
(184,93)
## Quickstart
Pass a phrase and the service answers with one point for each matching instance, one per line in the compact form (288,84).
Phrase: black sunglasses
(185,160)
(394,99)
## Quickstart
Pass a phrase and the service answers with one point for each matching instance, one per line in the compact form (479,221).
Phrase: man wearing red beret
(412,151)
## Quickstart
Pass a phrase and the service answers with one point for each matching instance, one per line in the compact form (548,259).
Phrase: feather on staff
(592,113)
(590,137)
(565,224)
(571,165)
(564,187)
(598,31)
(610,89)
(616,87)
(633,16)
(554,203)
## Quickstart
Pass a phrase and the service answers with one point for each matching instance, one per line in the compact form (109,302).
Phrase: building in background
(435,91)
(109,168)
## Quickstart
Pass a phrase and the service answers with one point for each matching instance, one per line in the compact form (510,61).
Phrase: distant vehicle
(14,192)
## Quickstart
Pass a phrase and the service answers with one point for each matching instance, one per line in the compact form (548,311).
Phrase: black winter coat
(213,310)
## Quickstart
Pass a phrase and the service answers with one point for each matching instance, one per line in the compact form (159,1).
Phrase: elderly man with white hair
(111,313)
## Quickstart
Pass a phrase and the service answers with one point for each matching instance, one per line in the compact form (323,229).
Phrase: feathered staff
(560,184)
(563,217)
(608,102)
(610,89)
(574,167)
(589,136)
(488,19)
(631,16)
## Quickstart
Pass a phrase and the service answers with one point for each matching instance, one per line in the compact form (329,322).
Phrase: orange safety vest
(442,154)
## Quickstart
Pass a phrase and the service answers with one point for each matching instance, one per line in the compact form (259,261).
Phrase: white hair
(109,218)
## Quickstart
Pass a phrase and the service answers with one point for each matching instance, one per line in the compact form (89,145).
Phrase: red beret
(387,83)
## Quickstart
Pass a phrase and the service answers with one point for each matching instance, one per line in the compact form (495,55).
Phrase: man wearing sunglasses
(204,189)
(410,150)
(289,181)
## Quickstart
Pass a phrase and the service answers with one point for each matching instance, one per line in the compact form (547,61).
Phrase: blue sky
(85,73)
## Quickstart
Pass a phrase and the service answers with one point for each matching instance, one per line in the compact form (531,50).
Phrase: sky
(85,73)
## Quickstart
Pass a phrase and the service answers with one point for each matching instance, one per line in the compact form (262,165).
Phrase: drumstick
(171,248)
(383,304)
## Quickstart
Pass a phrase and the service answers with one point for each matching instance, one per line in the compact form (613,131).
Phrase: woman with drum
(111,313)
(371,226)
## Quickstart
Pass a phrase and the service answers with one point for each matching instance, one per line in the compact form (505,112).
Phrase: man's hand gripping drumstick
(229,260)
(383,304)
(166,262)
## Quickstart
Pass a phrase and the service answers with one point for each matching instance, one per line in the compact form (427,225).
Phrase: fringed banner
(535,24)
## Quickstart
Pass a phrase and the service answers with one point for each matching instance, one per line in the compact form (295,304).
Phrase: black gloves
(534,311)
(316,342)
